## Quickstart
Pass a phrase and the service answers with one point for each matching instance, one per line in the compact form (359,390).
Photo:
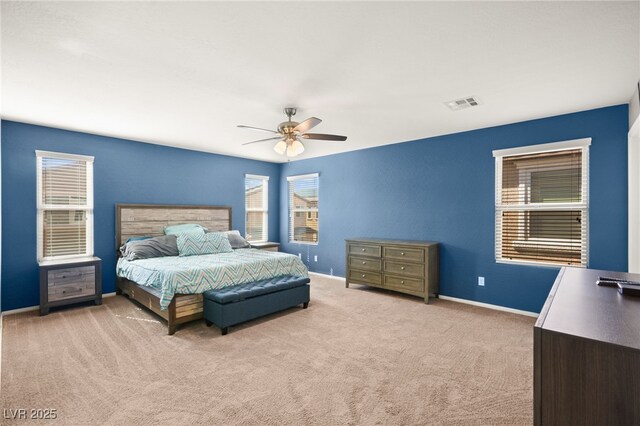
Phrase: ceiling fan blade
(263,140)
(242,126)
(307,124)
(323,137)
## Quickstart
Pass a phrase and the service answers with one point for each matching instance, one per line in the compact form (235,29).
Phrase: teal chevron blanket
(197,274)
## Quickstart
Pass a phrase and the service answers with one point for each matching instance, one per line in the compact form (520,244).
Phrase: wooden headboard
(134,220)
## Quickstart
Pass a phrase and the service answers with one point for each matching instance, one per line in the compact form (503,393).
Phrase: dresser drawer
(364,263)
(83,274)
(367,277)
(365,249)
(404,268)
(401,283)
(405,253)
(61,292)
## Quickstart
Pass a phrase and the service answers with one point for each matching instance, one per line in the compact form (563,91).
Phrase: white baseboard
(489,306)
(454,299)
(33,308)
(20,310)
(1,333)
(333,277)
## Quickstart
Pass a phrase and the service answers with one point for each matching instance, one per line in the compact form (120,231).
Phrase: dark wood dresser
(64,282)
(587,353)
(409,267)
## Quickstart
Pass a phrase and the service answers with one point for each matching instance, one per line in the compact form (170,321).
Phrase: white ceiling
(185,74)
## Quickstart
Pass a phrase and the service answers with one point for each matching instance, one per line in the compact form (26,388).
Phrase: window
(303,208)
(256,194)
(65,205)
(542,206)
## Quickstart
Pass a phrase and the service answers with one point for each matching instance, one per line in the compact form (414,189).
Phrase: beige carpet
(356,356)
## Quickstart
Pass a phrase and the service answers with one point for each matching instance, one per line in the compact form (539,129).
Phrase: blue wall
(438,189)
(124,172)
(442,189)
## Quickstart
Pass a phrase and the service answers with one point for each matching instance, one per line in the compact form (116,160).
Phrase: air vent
(463,103)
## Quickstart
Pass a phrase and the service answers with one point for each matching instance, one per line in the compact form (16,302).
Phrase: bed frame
(149,220)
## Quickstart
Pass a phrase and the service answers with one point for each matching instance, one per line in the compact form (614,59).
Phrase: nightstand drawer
(365,250)
(61,292)
(81,274)
(364,263)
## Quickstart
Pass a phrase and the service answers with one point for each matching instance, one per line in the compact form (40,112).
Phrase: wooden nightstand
(63,282)
(269,246)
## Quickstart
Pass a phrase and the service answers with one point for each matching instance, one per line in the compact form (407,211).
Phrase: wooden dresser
(586,346)
(409,267)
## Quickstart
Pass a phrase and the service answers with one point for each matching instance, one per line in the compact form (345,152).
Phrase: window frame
(264,210)
(306,211)
(582,206)
(42,207)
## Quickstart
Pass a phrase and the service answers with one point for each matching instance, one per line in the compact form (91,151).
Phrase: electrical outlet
(300,255)
(481,281)
(331,272)
(315,258)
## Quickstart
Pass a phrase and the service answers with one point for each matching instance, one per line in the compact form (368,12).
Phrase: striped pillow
(194,244)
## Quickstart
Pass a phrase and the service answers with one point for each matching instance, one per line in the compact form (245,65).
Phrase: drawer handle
(402,268)
(75,290)
(364,263)
(402,254)
(363,275)
(364,249)
(402,282)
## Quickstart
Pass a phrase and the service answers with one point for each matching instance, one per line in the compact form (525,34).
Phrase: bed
(172,286)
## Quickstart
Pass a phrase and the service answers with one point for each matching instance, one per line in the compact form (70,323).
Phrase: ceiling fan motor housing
(286,127)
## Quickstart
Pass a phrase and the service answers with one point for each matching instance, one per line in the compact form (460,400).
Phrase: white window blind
(65,205)
(303,208)
(256,192)
(542,204)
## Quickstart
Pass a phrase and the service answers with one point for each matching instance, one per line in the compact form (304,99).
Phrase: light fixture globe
(280,147)
(297,147)
(290,152)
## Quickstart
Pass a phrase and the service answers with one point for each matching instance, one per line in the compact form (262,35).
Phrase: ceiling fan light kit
(290,134)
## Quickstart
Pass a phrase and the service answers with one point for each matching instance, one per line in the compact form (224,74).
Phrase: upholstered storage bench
(233,305)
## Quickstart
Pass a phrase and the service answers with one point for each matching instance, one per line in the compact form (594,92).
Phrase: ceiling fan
(291,133)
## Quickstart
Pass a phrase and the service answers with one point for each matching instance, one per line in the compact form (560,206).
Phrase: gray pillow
(153,247)
(235,239)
